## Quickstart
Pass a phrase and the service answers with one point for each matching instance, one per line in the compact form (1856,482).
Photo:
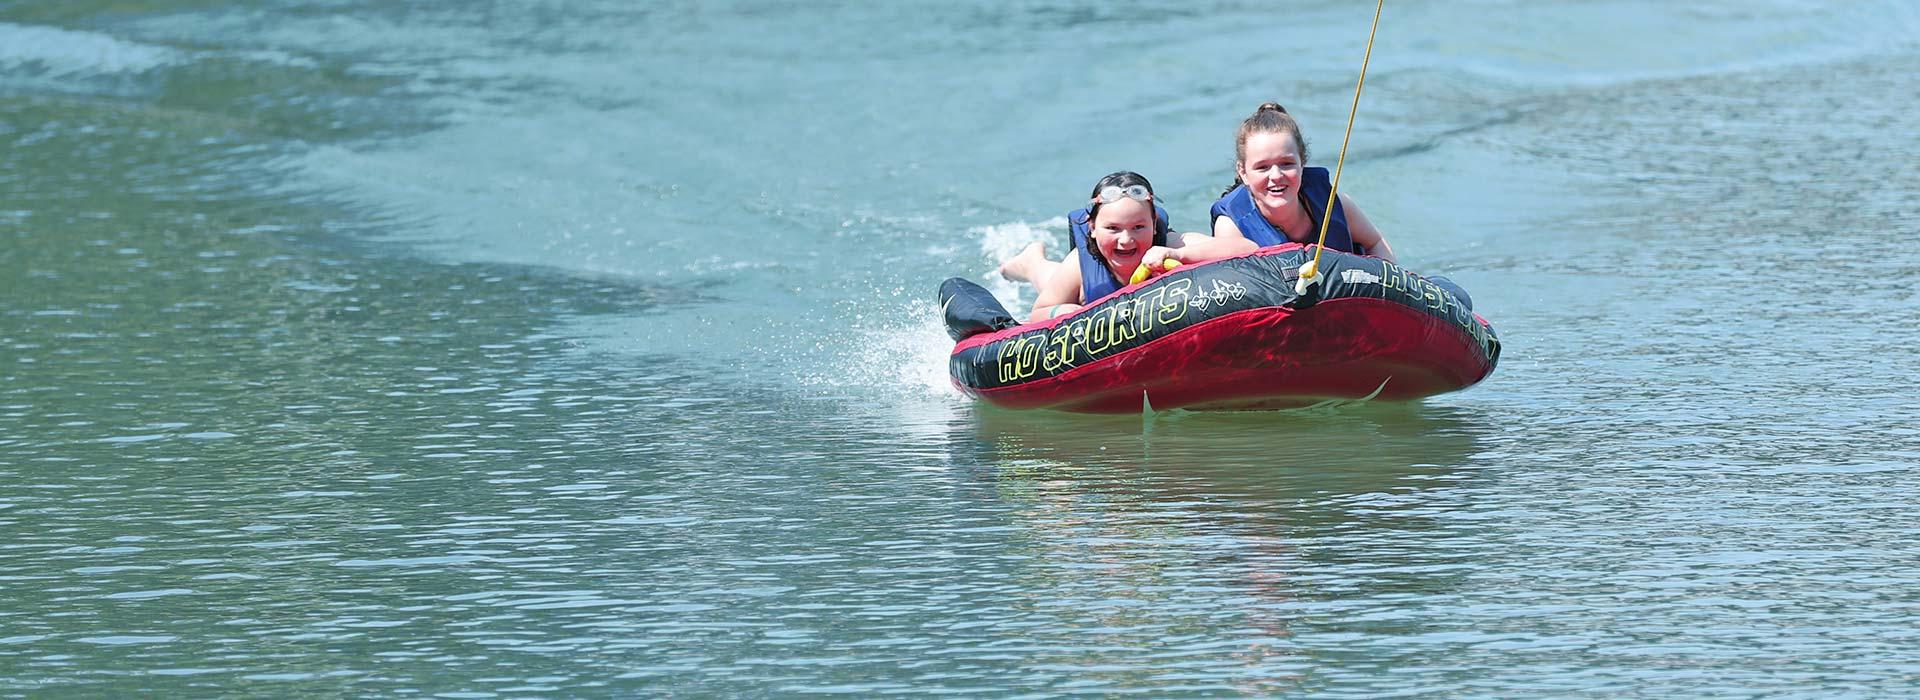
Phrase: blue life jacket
(1095,279)
(1315,185)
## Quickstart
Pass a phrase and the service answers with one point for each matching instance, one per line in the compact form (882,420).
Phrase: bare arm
(1193,248)
(1059,293)
(1198,248)
(1228,233)
(1363,232)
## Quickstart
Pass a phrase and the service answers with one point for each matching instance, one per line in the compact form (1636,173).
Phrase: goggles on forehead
(1138,193)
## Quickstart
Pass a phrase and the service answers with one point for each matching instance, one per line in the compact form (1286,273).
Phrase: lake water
(588,348)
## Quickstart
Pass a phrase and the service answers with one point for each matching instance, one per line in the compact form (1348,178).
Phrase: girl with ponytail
(1275,198)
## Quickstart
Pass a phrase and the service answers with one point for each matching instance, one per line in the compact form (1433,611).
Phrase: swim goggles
(1110,194)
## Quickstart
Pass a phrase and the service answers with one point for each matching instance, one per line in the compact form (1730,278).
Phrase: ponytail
(1268,118)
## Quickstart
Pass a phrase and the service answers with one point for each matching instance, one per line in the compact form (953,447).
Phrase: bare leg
(1030,265)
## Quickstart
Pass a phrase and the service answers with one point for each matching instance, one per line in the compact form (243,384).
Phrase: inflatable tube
(1227,335)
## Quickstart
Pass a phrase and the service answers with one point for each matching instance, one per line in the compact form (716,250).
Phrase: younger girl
(1119,230)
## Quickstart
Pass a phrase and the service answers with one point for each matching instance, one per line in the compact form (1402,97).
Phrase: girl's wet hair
(1269,118)
(1122,179)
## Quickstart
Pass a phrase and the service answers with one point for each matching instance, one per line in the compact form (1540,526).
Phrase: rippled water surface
(580,348)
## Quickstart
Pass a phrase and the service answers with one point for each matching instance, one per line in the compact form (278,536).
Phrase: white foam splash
(999,242)
(905,353)
(66,53)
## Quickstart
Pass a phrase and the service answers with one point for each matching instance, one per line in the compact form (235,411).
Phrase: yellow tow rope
(1312,269)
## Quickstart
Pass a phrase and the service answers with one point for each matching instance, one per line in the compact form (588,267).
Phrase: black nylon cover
(971,310)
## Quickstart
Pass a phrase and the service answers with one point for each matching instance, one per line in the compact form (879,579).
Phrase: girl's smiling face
(1122,232)
(1271,168)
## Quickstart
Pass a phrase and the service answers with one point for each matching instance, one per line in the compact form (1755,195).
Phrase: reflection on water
(1266,522)
(1276,455)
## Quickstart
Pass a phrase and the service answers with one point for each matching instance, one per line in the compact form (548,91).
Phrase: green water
(582,348)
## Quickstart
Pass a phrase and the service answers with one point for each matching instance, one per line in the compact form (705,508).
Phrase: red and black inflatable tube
(1231,334)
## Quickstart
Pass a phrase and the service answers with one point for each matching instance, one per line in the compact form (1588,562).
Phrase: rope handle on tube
(1310,272)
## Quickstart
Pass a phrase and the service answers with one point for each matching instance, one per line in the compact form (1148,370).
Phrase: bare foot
(1020,268)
